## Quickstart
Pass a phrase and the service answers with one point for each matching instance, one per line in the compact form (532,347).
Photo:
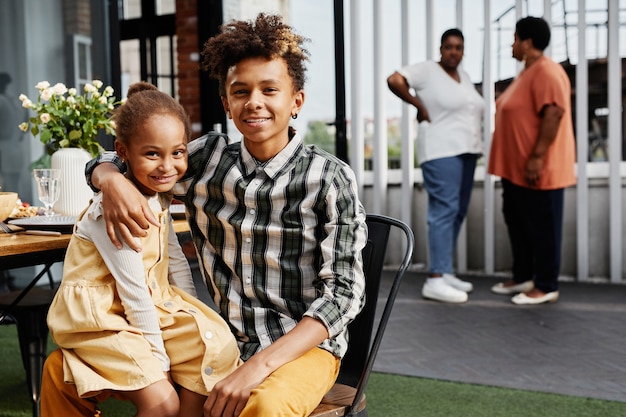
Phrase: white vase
(75,193)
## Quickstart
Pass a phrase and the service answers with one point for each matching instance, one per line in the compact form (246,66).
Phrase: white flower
(46,94)
(102,100)
(71,100)
(59,89)
(71,91)
(90,88)
(26,103)
(23,126)
(108,91)
(97,84)
(42,85)
(45,117)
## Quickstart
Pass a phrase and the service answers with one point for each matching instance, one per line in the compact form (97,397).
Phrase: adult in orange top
(533,151)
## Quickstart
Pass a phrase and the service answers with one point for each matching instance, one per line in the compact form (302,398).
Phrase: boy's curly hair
(266,37)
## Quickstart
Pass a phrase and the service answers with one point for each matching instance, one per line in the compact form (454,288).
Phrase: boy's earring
(294,116)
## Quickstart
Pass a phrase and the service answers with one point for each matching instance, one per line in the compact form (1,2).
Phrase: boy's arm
(126,211)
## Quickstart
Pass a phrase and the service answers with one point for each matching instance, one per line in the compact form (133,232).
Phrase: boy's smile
(260,99)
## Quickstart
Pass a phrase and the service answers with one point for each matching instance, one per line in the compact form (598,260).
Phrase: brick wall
(188,61)
(77,17)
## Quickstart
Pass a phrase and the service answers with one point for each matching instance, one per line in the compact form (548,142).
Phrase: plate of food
(63,224)
(24,210)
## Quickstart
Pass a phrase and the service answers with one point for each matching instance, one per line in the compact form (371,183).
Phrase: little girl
(128,323)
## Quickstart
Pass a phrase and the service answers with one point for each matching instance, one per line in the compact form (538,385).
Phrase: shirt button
(247,280)
(153,284)
(248,240)
(208,370)
(252,211)
(208,334)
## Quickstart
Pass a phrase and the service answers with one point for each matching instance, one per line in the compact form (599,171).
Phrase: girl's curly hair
(266,37)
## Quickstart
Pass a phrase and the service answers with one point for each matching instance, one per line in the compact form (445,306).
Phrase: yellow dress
(102,351)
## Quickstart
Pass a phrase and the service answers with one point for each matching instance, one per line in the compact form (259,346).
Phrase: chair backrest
(357,364)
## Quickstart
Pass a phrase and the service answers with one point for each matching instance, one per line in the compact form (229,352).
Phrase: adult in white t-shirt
(449,112)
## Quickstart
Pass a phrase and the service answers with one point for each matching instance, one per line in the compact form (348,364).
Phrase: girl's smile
(159,158)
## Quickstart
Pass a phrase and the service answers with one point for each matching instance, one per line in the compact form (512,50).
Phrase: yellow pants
(294,389)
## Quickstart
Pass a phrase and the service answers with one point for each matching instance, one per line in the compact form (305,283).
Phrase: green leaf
(75,134)
(45,135)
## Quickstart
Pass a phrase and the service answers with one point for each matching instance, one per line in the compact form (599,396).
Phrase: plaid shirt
(277,241)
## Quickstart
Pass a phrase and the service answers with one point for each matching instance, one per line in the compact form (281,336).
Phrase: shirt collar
(275,165)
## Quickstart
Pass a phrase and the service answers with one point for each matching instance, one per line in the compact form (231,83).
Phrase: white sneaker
(437,289)
(454,282)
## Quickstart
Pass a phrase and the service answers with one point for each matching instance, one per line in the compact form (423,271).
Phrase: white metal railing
(379,177)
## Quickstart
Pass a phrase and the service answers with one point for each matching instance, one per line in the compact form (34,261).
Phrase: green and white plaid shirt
(276,241)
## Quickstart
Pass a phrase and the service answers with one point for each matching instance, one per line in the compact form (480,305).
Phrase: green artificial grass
(394,396)
(387,396)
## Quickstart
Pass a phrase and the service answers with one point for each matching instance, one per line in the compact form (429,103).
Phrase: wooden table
(30,306)
(18,250)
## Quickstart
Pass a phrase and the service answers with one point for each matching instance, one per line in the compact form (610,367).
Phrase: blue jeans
(449,183)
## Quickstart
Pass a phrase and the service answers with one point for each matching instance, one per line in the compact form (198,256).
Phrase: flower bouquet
(65,119)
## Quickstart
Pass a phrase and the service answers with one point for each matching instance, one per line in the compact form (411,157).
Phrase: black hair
(535,29)
(452,32)
(267,36)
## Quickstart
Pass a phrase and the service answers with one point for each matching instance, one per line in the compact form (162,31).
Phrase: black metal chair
(347,397)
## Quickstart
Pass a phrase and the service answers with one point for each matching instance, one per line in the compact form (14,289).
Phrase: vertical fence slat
(582,149)
(615,141)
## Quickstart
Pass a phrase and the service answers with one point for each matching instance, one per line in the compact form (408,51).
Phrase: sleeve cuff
(103,157)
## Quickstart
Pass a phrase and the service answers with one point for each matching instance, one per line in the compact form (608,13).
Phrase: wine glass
(48,187)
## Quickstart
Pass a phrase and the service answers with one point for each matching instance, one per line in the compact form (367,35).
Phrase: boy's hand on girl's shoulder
(126,213)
